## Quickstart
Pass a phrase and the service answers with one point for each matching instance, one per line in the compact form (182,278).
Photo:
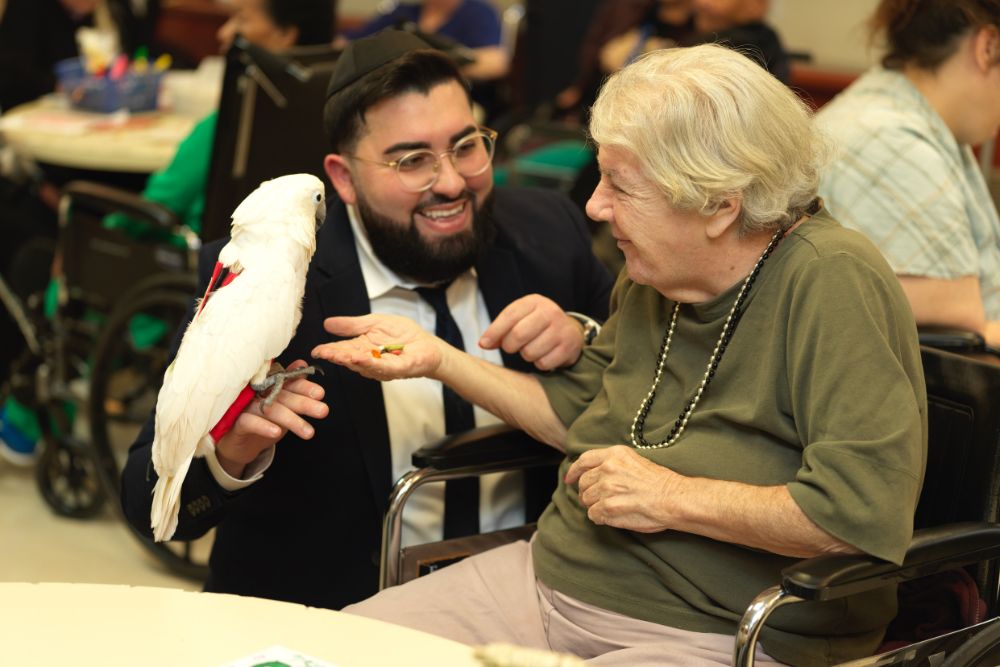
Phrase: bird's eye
(318,197)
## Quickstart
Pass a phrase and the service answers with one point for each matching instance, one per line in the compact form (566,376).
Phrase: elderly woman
(906,175)
(755,397)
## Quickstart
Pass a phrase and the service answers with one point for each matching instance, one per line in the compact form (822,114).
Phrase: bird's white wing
(242,327)
(239,330)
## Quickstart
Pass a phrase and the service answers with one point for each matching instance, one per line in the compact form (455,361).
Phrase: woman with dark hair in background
(906,175)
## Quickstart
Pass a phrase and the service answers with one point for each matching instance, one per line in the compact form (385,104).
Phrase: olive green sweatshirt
(820,389)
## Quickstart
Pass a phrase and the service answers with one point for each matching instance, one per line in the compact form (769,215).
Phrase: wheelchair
(957,521)
(130,350)
(93,371)
(104,342)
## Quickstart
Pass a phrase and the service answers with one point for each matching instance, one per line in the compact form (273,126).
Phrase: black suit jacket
(309,530)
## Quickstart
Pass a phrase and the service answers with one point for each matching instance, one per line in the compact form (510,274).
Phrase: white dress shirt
(414,408)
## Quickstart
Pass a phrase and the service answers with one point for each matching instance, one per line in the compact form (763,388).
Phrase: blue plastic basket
(133,91)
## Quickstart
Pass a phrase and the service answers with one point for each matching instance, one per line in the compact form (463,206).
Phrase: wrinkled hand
(259,428)
(537,328)
(421,355)
(622,489)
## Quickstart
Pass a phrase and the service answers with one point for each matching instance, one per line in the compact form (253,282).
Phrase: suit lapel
(342,291)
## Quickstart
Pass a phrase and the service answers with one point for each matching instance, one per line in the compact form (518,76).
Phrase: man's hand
(419,353)
(622,489)
(538,329)
(259,428)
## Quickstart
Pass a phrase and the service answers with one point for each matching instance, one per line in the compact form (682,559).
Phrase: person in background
(737,24)
(34,36)
(298,491)
(472,23)
(906,175)
(740,24)
(668,24)
(622,25)
(756,396)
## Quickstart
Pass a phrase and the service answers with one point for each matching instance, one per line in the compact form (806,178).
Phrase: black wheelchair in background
(97,274)
(117,302)
(93,365)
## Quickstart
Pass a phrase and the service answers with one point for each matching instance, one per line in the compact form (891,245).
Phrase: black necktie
(461,496)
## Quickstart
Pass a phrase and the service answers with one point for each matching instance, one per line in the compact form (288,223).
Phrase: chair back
(99,264)
(270,124)
(962,480)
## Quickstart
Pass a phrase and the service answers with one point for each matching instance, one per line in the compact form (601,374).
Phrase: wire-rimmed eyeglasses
(419,170)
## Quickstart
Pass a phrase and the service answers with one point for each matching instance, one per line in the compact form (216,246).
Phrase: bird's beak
(320,216)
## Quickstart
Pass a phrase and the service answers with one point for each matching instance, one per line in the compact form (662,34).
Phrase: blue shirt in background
(474,24)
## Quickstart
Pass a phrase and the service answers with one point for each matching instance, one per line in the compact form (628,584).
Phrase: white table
(51,624)
(46,131)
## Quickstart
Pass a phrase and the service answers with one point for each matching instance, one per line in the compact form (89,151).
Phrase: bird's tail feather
(167,503)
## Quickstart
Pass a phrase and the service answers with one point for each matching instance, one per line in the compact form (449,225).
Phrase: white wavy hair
(707,123)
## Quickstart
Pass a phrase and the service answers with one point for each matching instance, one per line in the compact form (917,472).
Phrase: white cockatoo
(243,322)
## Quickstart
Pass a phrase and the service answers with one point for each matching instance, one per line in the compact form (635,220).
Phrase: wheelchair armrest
(108,199)
(954,340)
(932,550)
(494,448)
(486,446)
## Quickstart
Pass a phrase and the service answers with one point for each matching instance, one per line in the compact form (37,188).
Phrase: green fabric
(50,303)
(146,330)
(180,186)
(23,419)
(560,157)
(560,160)
(821,388)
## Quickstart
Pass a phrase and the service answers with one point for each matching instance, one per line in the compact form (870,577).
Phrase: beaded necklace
(635,433)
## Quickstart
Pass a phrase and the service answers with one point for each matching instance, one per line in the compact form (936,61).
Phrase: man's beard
(403,250)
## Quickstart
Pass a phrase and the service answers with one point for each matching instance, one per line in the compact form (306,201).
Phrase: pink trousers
(495,597)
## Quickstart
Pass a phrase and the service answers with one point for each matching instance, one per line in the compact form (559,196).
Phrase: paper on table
(52,121)
(279,656)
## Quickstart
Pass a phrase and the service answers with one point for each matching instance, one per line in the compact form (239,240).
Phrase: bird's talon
(268,399)
(270,387)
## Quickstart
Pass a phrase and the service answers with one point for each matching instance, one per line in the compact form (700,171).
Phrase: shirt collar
(379,278)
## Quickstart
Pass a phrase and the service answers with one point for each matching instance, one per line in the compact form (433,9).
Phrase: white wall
(833,31)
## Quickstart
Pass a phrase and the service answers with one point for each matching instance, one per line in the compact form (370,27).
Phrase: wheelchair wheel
(129,362)
(982,650)
(67,479)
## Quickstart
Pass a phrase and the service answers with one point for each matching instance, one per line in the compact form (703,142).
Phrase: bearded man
(297,490)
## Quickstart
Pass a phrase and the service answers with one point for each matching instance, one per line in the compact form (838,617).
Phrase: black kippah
(368,54)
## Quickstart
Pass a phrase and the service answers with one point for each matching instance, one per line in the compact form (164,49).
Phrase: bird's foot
(272,384)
